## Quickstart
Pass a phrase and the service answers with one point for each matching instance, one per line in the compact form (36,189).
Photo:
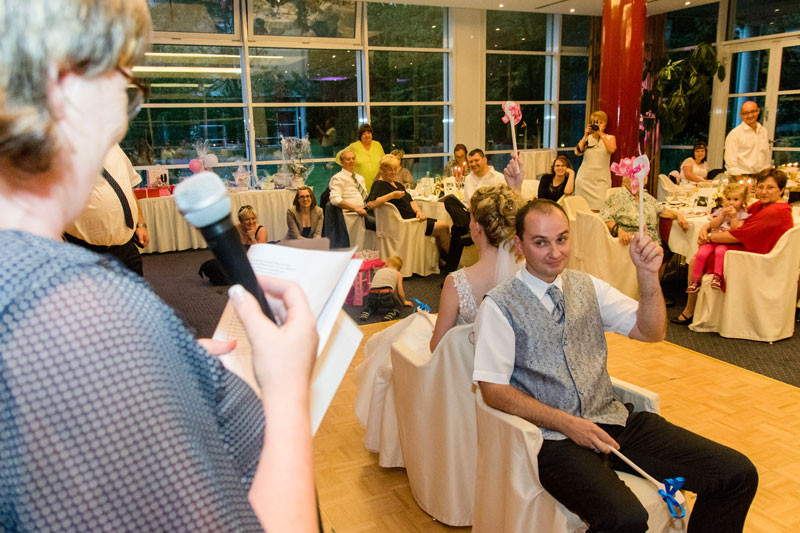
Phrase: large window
(541,62)
(754,18)
(408,61)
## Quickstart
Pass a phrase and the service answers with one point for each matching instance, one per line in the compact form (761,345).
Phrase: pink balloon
(195,165)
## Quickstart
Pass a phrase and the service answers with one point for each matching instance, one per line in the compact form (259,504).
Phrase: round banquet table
(169,231)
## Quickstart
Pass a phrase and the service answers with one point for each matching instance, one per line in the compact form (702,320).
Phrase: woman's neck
(366,144)
(559,179)
(45,211)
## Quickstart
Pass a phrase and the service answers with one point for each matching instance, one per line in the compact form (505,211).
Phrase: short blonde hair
(398,153)
(395,262)
(246,211)
(389,161)
(40,39)
(495,209)
(599,115)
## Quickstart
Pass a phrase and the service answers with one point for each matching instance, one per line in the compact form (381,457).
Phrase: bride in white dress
(493,212)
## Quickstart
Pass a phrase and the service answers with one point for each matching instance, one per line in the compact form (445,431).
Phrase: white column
(468,30)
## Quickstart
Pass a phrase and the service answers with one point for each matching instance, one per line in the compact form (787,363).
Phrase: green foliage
(680,88)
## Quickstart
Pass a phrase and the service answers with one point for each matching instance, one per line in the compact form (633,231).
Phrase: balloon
(210,161)
(195,165)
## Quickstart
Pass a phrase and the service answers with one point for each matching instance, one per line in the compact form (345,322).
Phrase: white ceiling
(581,7)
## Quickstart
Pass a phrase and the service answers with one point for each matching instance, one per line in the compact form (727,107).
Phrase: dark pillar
(621,72)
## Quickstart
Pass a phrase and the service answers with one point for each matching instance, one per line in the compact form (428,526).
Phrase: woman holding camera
(596,147)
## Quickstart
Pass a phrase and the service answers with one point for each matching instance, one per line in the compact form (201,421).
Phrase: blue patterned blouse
(112,417)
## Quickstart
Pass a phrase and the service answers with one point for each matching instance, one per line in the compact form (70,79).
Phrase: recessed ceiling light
(497,29)
(433,27)
(777,9)
(500,5)
(687,3)
(572,10)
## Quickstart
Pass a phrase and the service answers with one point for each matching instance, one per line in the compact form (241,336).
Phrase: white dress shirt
(747,151)
(494,337)
(102,221)
(472,183)
(343,188)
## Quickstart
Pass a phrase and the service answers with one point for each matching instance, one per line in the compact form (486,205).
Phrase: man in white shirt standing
(747,145)
(348,190)
(112,221)
(540,353)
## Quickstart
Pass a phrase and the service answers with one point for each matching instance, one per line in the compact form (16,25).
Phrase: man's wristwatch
(141,225)
(615,230)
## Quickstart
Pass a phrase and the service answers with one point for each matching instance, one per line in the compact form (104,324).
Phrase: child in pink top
(730,216)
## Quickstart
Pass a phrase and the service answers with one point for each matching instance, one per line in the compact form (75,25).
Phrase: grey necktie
(361,190)
(558,303)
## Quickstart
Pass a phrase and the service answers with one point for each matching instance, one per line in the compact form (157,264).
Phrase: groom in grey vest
(540,353)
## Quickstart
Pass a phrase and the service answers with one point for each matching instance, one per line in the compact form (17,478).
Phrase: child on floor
(386,292)
(730,216)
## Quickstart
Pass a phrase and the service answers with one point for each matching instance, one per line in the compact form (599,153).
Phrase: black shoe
(682,321)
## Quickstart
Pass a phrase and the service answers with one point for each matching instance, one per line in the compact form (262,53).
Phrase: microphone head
(203,199)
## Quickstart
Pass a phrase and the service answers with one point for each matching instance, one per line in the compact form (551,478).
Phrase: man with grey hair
(540,354)
(747,149)
(348,190)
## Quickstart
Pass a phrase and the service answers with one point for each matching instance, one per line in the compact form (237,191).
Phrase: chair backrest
(597,253)
(668,185)
(387,217)
(573,204)
(530,188)
(612,190)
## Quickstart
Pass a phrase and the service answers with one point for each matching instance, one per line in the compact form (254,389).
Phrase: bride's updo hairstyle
(495,209)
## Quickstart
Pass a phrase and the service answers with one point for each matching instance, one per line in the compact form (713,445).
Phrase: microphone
(204,202)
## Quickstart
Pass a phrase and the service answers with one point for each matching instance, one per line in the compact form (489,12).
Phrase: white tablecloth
(434,209)
(170,232)
(536,162)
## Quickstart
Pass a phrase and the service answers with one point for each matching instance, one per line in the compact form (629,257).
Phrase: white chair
(596,252)
(359,235)
(573,204)
(436,417)
(760,298)
(375,397)
(665,187)
(508,494)
(406,238)
(530,188)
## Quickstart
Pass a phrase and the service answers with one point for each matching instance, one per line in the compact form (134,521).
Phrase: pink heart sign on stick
(636,170)
(512,114)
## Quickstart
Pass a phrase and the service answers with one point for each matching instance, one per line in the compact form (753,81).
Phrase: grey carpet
(174,278)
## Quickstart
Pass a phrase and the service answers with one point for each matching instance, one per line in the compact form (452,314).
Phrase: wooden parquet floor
(754,414)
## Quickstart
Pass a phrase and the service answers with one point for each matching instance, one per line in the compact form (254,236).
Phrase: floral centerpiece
(293,172)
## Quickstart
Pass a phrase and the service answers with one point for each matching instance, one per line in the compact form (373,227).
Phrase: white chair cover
(375,397)
(359,235)
(666,186)
(612,190)
(760,298)
(573,204)
(508,494)
(596,252)
(530,188)
(406,238)
(436,417)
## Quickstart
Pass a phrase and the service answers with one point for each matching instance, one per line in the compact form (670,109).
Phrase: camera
(594,127)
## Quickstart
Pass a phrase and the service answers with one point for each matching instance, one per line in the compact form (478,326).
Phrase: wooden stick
(636,467)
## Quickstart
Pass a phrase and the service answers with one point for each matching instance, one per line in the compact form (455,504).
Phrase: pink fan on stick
(512,114)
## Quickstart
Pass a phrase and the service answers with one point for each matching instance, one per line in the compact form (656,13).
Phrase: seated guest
(348,190)
(459,162)
(403,174)
(305,218)
(560,182)
(747,150)
(540,354)
(695,169)
(769,219)
(387,189)
(620,212)
(481,174)
(386,293)
(493,211)
(250,232)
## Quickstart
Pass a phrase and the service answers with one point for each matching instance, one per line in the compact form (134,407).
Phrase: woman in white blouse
(695,169)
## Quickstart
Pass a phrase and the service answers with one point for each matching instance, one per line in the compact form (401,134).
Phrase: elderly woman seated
(305,218)
(620,212)
(387,188)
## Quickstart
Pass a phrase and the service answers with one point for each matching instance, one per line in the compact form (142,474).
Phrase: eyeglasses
(137,93)
(748,113)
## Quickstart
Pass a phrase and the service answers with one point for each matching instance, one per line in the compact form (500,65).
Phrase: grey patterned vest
(561,365)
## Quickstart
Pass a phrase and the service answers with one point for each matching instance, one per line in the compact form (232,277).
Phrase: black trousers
(724,480)
(127,253)
(460,228)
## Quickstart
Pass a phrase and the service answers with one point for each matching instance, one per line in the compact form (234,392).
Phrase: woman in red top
(768,220)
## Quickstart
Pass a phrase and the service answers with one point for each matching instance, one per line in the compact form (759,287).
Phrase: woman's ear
(56,93)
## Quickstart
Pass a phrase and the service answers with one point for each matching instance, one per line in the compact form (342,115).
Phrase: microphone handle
(223,239)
